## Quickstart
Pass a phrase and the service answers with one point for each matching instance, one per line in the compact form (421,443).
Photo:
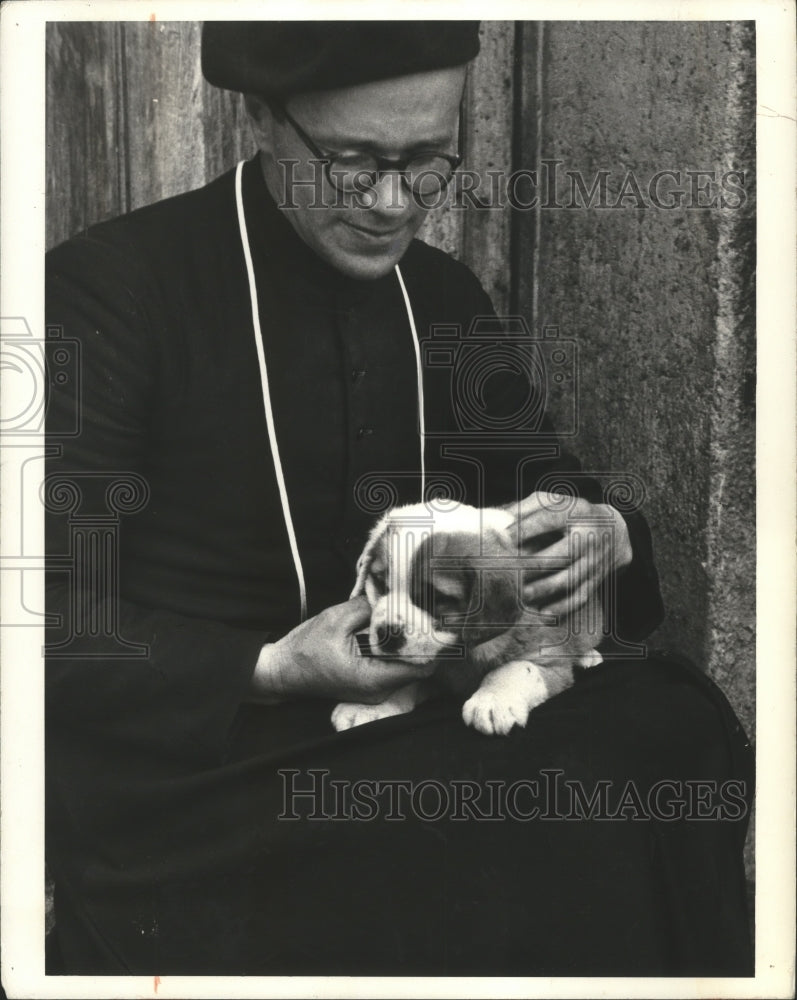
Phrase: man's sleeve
(638,606)
(180,697)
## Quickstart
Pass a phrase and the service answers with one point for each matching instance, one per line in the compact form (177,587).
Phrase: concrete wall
(661,301)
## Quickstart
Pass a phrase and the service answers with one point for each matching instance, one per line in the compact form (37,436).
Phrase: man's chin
(364,263)
(363,266)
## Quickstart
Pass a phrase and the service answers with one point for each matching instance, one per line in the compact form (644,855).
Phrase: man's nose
(390,194)
(390,638)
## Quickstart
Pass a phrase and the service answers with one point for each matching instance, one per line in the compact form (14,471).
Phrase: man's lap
(302,862)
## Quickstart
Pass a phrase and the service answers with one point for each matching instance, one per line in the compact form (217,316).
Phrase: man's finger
(555,557)
(545,501)
(354,614)
(579,598)
(541,520)
(534,594)
(579,573)
(569,550)
(398,671)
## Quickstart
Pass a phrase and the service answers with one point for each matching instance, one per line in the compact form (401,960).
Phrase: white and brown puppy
(445,586)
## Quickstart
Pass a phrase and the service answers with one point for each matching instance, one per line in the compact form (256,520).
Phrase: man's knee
(654,719)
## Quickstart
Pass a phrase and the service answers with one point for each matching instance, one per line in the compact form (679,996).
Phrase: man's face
(361,237)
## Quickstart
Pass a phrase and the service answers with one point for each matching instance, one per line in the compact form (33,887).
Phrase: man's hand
(589,550)
(321,659)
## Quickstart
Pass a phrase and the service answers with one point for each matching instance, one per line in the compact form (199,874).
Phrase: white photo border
(22,229)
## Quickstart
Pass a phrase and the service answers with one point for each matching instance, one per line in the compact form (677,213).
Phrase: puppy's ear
(495,602)
(367,557)
(362,572)
(484,600)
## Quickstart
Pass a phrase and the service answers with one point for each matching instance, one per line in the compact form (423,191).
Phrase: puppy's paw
(494,713)
(591,659)
(347,715)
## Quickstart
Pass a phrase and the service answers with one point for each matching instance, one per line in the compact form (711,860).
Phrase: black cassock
(171,829)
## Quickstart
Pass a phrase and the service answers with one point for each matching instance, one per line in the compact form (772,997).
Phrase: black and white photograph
(398,500)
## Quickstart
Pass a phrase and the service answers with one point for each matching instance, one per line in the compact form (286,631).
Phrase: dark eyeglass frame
(383,165)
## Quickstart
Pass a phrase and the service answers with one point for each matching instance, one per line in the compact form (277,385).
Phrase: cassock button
(365,432)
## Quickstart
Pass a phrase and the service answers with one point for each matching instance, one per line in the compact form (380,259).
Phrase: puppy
(445,586)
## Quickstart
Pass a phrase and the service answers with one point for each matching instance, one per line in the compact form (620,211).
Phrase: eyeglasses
(425,173)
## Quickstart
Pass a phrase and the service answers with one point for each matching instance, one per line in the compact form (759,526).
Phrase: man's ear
(261,118)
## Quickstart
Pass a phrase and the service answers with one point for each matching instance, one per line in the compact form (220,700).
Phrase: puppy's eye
(444,604)
(379,583)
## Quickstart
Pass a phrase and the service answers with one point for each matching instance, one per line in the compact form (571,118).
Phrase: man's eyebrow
(355,144)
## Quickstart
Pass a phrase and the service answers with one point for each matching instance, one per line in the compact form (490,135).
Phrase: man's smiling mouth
(376,235)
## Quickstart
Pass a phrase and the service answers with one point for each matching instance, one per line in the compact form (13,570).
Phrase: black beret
(278,58)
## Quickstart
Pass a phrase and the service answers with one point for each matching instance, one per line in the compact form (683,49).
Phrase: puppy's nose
(389,638)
